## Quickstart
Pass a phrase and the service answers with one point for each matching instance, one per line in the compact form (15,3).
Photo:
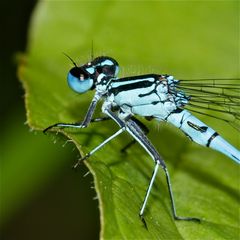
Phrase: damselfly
(159,97)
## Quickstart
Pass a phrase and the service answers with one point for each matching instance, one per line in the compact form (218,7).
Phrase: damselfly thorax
(149,95)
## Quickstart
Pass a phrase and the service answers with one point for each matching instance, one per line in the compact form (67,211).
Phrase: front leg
(91,110)
(87,119)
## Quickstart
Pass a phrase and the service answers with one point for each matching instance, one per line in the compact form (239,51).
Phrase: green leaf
(185,39)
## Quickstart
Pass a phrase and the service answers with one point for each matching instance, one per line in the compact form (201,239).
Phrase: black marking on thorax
(147,94)
(130,86)
(157,82)
(140,77)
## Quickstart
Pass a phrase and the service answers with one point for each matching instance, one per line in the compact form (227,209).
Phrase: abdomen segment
(202,134)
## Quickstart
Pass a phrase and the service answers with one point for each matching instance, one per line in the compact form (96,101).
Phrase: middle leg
(138,134)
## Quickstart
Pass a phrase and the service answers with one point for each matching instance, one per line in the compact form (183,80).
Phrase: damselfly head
(83,78)
(103,64)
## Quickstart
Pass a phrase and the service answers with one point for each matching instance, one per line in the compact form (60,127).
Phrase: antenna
(92,55)
(70,59)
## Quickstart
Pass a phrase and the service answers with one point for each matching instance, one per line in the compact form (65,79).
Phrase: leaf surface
(185,39)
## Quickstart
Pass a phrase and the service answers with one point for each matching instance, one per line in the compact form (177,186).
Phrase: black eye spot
(75,71)
(79,73)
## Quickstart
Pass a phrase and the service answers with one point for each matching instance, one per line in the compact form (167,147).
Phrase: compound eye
(79,80)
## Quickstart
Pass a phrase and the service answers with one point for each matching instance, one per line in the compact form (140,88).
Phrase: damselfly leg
(87,119)
(137,133)
(121,130)
(74,125)
(79,125)
(143,127)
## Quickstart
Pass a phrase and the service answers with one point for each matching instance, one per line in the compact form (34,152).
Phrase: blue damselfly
(160,97)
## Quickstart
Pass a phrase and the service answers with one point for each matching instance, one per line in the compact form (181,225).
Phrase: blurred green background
(54,204)
(198,40)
